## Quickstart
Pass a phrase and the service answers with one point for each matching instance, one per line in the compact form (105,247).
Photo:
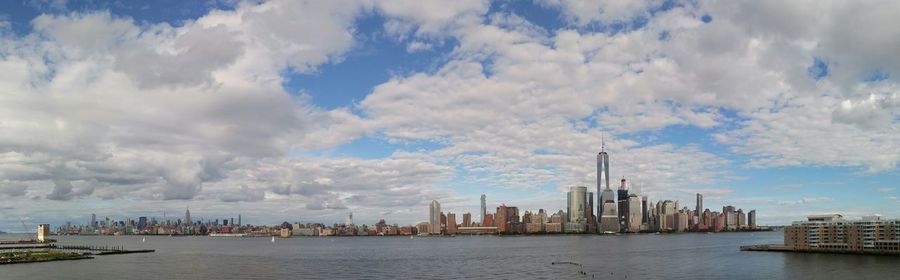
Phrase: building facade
(834,233)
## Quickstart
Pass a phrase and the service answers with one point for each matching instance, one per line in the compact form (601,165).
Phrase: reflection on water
(679,256)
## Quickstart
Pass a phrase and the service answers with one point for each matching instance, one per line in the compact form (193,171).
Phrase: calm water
(677,256)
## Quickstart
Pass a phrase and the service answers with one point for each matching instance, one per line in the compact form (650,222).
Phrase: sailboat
(273,239)
(143,239)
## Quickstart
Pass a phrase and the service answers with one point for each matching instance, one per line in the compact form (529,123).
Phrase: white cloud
(583,12)
(96,106)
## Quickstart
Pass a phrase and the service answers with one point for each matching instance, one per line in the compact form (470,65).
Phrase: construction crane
(30,233)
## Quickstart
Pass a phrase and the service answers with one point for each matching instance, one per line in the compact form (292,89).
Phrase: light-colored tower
(577,201)
(635,215)
(602,175)
(350,219)
(483,208)
(435,214)
(607,207)
(187,217)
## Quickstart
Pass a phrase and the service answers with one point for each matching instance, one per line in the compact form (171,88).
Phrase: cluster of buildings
(228,227)
(633,214)
(833,233)
(617,211)
(165,226)
(614,211)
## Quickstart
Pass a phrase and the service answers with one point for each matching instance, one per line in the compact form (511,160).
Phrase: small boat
(273,239)
(143,239)
(410,237)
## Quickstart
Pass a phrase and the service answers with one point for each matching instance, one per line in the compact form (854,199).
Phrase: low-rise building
(834,233)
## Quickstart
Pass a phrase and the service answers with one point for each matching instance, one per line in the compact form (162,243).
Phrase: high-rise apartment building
(699,209)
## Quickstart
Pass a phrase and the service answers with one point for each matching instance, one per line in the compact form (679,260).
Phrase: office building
(635,214)
(576,203)
(622,201)
(602,176)
(434,212)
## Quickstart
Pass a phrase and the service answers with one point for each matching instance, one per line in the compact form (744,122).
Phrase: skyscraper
(699,210)
(602,175)
(751,219)
(635,215)
(435,214)
(606,204)
(483,209)
(187,217)
(576,203)
(644,210)
(622,200)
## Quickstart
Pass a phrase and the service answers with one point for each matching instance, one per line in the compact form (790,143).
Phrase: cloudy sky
(308,110)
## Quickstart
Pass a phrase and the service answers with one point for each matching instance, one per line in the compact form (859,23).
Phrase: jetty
(789,249)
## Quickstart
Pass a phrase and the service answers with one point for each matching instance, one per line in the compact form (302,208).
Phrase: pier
(788,249)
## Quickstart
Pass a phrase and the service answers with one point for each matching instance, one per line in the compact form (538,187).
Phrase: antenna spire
(602,141)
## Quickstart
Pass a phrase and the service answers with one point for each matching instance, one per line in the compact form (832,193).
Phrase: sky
(305,111)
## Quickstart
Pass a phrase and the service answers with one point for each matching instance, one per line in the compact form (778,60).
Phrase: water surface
(672,256)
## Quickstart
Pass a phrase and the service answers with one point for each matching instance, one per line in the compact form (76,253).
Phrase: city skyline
(315,109)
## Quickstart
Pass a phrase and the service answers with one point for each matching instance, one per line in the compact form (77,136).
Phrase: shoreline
(441,235)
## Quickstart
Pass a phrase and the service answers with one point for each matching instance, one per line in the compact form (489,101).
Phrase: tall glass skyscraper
(699,210)
(606,203)
(435,214)
(602,174)
(483,208)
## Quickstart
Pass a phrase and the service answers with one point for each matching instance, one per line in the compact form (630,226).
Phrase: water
(675,256)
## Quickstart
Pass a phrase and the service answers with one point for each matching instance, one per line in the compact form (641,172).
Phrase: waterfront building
(488,220)
(423,227)
(451,223)
(435,217)
(681,221)
(576,203)
(477,230)
(467,219)
(634,216)
(43,232)
(751,219)
(834,233)
(507,220)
